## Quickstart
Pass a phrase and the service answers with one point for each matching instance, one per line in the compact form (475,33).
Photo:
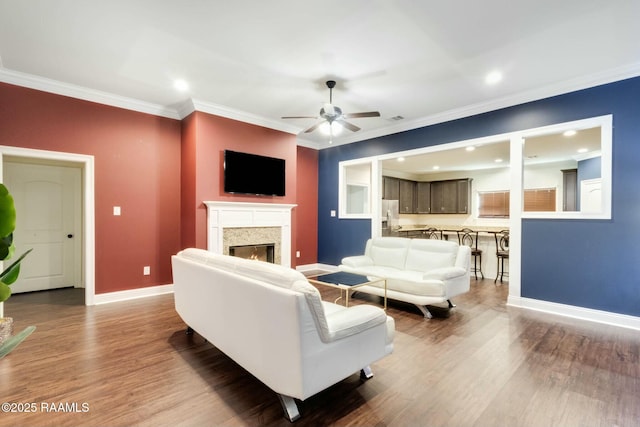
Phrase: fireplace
(250,224)
(258,252)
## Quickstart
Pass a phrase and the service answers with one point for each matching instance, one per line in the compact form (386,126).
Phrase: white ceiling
(259,60)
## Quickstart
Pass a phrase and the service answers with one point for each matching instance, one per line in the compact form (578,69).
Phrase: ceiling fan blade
(314,127)
(299,117)
(351,127)
(359,115)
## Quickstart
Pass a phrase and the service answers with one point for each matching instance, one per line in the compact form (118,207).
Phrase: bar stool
(469,238)
(502,252)
(432,233)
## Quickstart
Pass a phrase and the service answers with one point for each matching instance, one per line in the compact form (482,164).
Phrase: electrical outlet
(146,270)
(116,210)
(333,213)
(297,254)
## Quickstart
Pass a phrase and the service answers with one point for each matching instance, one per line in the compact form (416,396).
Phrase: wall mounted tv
(246,173)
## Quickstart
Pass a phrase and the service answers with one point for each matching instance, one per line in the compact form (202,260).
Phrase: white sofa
(271,321)
(417,271)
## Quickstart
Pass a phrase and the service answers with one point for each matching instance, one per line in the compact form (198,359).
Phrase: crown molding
(86,94)
(182,110)
(242,116)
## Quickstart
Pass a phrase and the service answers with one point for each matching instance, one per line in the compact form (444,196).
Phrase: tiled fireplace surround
(241,223)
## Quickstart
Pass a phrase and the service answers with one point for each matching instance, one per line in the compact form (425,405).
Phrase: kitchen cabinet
(436,197)
(390,188)
(451,196)
(407,196)
(423,197)
(464,196)
(570,190)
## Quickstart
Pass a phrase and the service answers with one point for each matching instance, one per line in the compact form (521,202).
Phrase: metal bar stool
(432,233)
(469,238)
(502,252)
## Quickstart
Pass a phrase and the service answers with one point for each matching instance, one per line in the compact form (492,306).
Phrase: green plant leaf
(5,292)
(6,247)
(7,212)
(14,341)
(10,274)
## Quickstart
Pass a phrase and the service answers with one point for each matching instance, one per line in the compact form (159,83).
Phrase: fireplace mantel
(221,215)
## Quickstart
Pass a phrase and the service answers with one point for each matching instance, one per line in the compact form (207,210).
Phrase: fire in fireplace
(263,252)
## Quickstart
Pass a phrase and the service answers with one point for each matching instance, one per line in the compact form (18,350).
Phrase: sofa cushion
(388,251)
(427,254)
(267,272)
(206,257)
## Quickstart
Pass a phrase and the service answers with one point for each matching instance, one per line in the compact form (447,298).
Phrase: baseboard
(132,294)
(591,315)
(311,267)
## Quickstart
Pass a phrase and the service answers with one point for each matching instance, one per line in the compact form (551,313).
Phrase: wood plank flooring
(130,363)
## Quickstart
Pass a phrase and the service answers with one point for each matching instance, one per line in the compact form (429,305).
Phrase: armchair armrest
(357,261)
(445,273)
(353,320)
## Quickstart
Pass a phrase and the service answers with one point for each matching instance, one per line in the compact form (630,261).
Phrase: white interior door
(591,195)
(49,220)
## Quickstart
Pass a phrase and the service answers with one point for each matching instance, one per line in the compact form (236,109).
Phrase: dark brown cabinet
(570,190)
(436,197)
(451,196)
(407,196)
(390,188)
(423,197)
(464,196)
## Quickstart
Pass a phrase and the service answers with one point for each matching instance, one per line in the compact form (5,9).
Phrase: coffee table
(347,282)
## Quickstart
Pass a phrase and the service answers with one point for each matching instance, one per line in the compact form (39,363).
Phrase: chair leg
(290,408)
(481,273)
(475,266)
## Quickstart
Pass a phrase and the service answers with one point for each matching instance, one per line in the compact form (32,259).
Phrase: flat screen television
(246,173)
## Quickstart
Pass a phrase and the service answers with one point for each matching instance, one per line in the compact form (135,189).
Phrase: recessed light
(493,77)
(569,133)
(435,168)
(181,85)
(470,148)
(498,160)
(401,159)
(583,150)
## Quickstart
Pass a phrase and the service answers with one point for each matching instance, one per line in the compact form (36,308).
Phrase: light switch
(116,210)
(333,213)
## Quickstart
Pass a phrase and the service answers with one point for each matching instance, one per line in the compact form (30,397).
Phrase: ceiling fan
(333,117)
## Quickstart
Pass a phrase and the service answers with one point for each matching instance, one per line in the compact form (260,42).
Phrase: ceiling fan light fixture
(333,128)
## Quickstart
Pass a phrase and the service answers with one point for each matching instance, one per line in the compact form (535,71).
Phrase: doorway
(82,237)
(48,199)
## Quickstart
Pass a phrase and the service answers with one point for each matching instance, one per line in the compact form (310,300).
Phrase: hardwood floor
(130,363)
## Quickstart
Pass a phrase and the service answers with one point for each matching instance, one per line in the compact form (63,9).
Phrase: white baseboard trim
(132,294)
(311,267)
(588,314)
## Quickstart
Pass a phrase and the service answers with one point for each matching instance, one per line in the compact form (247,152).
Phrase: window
(540,200)
(355,189)
(493,204)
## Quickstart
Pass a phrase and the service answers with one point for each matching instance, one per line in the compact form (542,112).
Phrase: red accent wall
(159,171)
(307,210)
(137,167)
(206,138)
